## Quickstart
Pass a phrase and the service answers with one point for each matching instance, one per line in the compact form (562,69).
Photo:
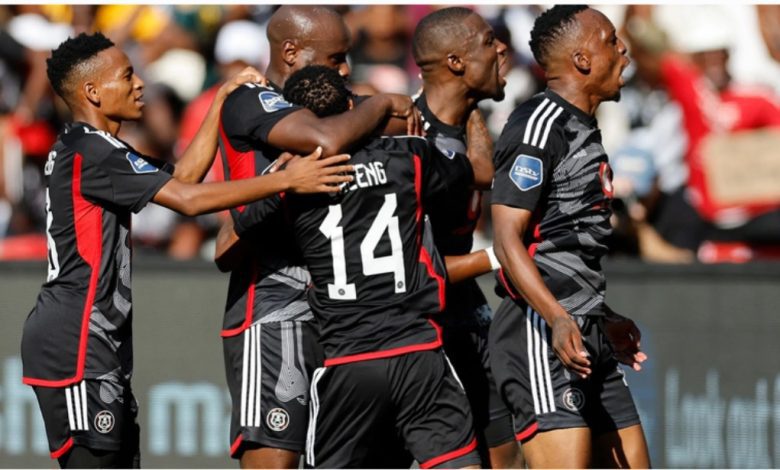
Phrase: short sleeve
(250,112)
(128,179)
(521,175)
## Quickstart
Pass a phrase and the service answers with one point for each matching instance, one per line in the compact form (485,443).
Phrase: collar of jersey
(428,116)
(577,112)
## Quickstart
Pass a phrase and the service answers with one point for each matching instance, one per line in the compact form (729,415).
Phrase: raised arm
(302,175)
(302,131)
(510,225)
(199,156)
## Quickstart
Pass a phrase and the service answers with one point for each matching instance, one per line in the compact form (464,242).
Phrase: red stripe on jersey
(63,450)
(88,222)
(527,432)
(510,290)
(370,356)
(532,249)
(450,455)
(418,193)
(250,308)
(236,444)
(425,258)
(240,165)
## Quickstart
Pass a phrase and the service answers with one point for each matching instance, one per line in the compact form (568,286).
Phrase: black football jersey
(550,161)
(80,326)
(454,215)
(376,280)
(271,286)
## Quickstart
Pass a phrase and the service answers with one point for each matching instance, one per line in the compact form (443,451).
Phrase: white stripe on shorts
(314,408)
(539,364)
(76,403)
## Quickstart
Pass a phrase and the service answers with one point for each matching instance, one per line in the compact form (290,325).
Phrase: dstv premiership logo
(104,422)
(573,399)
(277,419)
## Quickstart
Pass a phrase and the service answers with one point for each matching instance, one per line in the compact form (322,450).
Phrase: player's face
(486,59)
(120,89)
(329,48)
(608,54)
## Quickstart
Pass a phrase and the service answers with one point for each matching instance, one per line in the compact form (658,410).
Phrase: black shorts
(383,413)
(542,394)
(268,368)
(94,413)
(467,347)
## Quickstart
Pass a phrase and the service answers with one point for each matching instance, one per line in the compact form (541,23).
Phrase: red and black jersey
(454,215)
(375,281)
(271,286)
(80,326)
(550,160)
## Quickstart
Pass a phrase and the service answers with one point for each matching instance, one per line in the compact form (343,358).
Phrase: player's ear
(290,52)
(581,60)
(91,92)
(455,63)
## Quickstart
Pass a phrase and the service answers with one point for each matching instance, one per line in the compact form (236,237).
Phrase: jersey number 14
(385,221)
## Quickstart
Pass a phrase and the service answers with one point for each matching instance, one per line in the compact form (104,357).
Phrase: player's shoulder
(408,143)
(92,144)
(537,122)
(253,96)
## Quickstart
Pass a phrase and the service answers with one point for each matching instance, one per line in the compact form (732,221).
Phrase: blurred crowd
(701,94)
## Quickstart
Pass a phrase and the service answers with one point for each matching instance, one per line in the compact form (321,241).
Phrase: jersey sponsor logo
(272,101)
(104,422)
(573,399)
(450,154)
(526,172)
(277,419)
(140,165)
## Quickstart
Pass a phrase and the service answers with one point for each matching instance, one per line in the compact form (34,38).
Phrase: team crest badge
(527,172)
(104,422)
(272,101)
(573,399)
(140,165)
(277,419)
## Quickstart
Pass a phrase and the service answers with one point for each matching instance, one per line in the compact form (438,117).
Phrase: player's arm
(199,156)
(510,225)
(624,336)
(301,175)
(302,131)
(463,267)
(479,149)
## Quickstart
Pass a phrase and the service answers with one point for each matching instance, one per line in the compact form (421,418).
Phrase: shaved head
(439,33)
(303,24)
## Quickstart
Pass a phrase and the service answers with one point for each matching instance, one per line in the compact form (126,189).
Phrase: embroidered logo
(527,172)
(140,165)
(573,399)
(104,422)
(277,419)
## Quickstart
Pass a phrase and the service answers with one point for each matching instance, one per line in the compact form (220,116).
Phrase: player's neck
(448,103)
(276,76)
(97,120)
(573,92)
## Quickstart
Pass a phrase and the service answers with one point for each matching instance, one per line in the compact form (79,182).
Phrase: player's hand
(623,335)
(315,174)
(402,106)
(567,344)
(248,75)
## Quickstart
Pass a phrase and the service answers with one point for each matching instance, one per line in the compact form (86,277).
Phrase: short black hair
(70,54)
(436,28)
(550,27)
(318,88)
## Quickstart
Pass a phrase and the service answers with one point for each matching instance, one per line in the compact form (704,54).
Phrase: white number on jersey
(54,258)
(385,221)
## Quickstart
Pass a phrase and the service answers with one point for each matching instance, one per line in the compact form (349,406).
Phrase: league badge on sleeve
(526,173)
(140,165)
(272,101)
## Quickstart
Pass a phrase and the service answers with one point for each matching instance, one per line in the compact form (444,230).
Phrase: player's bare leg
(506,455)
(268,457)
(562,448)
(624,448)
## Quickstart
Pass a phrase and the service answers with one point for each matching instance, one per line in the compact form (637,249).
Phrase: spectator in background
(239,43)
(711,104)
